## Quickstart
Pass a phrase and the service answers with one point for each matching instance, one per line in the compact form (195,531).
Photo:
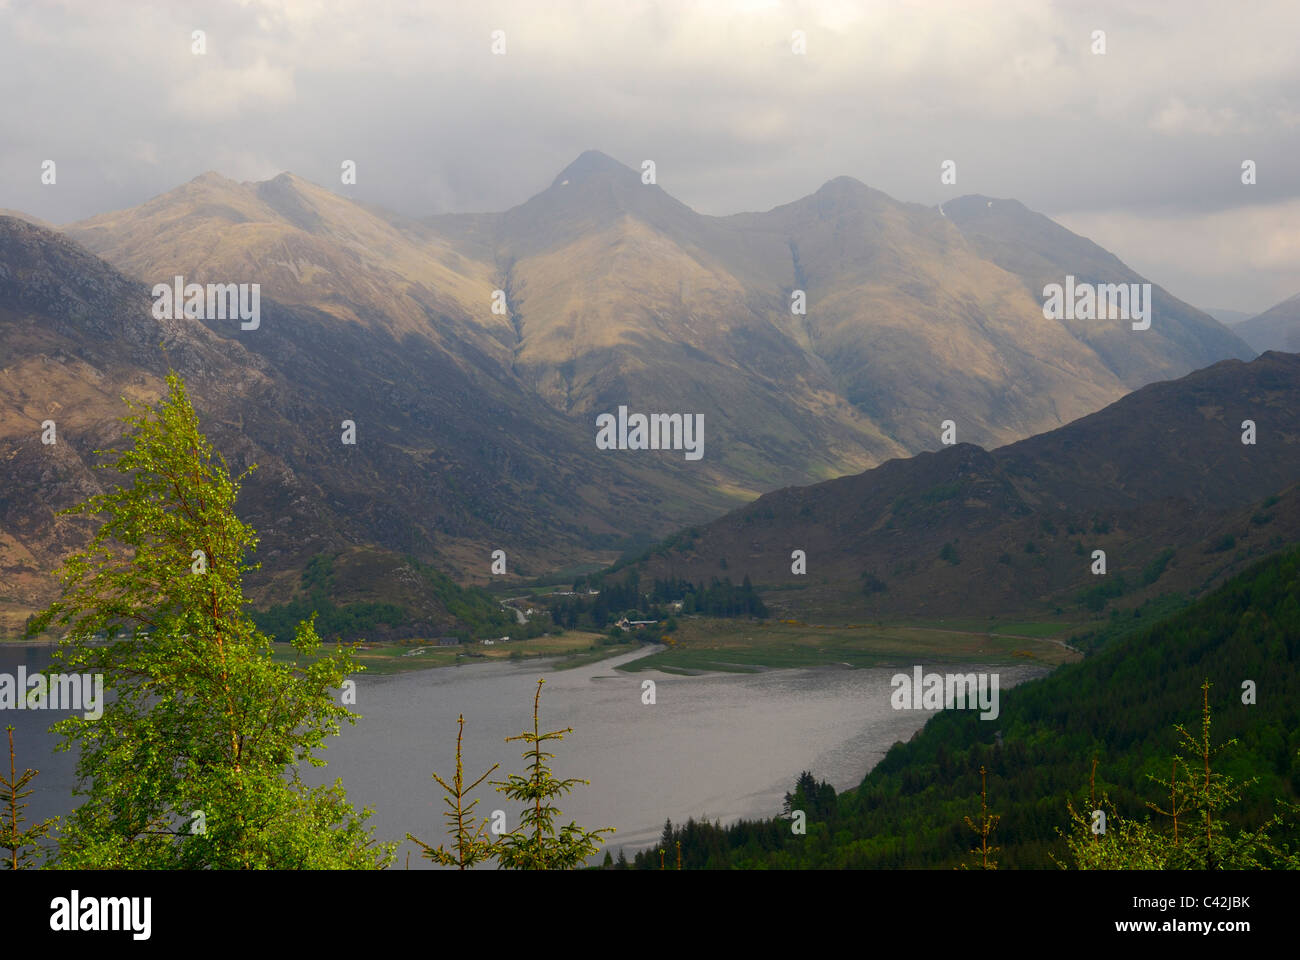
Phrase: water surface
(717,746)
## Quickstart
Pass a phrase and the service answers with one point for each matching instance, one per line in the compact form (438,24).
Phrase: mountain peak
(286,178)
(850,190)
(26,218)
(842,184)
(591,164)
(291,197)
(973,205)
(212,178)
(845,193)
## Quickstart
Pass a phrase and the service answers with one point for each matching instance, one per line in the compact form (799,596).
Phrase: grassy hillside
(403,598)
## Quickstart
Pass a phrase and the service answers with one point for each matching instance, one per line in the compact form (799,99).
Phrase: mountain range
(476,425)
(615,292)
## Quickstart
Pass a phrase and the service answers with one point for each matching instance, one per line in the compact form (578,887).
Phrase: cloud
(712,91)
(1176,118)
(206,93)
(1246,258)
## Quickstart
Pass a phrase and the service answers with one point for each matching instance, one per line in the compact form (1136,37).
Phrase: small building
(626,624)
(488,642)
(448,641)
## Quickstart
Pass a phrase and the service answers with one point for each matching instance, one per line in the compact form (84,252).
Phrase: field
(571,649)
(701,644)
(731,645)
(1009,628)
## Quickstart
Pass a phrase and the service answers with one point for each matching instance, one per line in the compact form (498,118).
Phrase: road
(519,614)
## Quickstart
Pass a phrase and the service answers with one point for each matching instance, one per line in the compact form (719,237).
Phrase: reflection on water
(720,746)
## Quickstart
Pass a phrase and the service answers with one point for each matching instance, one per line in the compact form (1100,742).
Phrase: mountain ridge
(478,350)
(653,259)
(965,531)
(1277,328)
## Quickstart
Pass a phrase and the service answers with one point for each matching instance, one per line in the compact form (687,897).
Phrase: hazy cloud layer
(1140,149)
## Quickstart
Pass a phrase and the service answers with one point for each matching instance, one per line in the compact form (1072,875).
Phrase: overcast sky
(1139,149)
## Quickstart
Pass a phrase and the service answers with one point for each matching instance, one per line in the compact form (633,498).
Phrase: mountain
(1160,480)
(914,326)
(307,246)
(76,337)
(449,464)
(19,215)
(1277,328)
(908,323)
(618,294)
(1040,251)
(623,295)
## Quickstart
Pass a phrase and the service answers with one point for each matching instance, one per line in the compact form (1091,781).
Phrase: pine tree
(23,845)
(536,845)
(195,760)
(470,846)
(988,823)
(1180,796)
(1211,846)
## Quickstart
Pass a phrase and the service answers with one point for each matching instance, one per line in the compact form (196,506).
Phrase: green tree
(22,845)
(1126,844)
(1208,844)
(470,845)
(536,845)
(984,829)
(1100,839)
(195,761)
(1198,838)
(816,800)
